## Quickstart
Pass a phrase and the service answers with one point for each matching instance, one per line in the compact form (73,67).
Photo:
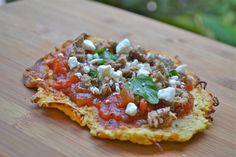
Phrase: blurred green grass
(215,18)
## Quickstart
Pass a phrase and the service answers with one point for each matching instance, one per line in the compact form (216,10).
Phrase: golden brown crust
(181,130)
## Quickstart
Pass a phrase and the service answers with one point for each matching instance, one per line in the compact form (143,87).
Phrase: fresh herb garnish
(145,87)
(106,55)
(173,73)
(100,51)
(101,62)
(93,73)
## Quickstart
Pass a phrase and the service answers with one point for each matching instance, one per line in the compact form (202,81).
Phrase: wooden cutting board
(30,29)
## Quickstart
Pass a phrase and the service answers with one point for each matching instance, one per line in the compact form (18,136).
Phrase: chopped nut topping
(161,118)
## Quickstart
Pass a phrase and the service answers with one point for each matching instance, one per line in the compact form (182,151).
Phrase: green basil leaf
(93,73)
(108,56)
(173,73)
(100,51)
(101,62)
(145,87)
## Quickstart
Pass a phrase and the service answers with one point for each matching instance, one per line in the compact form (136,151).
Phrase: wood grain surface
(31,28)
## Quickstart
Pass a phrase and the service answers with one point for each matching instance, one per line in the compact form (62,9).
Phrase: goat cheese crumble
(94,90)
(167,94)
(131,109)
(60,55)
(105,71)
(78,74)
(72,62)
(181,69)
(88,45)
(123,46)
(144,69)
(86,69)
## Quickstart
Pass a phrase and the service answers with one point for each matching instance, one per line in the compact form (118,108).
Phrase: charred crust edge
(200,83)
(216,101)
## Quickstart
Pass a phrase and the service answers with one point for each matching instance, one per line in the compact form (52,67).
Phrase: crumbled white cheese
(173,83)
(108,71)
(95,56)
(144,69)
(123,46)
(134,63)
(127,64)
(111,82)
(167,94)
(60,55)
(89,57)
(72,62)
(131,109)
(174,78)
(86,69)
(181,68)
(143,72)
(116,75)
(105,71)
(96,60)
(88,45)
(78,74)
(117,87)
(94,90)
(177,83)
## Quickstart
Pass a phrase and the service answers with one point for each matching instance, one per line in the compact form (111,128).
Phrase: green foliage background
(214,18)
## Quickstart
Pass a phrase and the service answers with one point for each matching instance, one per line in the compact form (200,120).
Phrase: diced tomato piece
(104,115)
(188,85)
(59,65)
(58,69)
(73,79)
(126,97)
(98,104)
(143,107)
(65,83)
(117,117)
(81,102)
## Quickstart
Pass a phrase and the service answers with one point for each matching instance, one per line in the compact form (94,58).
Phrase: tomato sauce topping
(59,65)
(111,109)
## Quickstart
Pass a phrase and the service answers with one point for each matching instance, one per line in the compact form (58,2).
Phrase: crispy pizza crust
(181,130)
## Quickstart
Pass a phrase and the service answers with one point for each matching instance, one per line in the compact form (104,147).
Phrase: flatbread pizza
(122,91)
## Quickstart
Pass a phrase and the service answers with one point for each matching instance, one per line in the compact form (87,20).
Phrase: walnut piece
(161,118)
